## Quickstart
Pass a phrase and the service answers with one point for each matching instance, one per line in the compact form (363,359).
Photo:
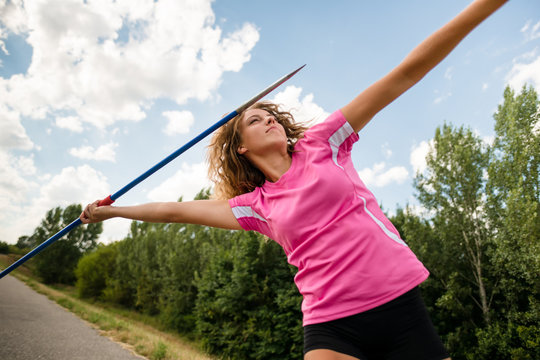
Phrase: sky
(94,93)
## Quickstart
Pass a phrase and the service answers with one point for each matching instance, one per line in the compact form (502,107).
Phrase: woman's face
(260,133)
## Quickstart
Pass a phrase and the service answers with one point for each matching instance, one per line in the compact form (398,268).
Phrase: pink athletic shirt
(350,258)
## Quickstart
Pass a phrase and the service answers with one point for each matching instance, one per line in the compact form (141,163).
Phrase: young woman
(298,186)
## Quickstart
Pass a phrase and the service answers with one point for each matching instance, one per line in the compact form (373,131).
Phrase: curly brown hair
(231,172)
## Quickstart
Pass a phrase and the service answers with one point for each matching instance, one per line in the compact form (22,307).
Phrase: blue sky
(93,93)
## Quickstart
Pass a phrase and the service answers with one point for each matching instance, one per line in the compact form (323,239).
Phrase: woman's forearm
(158,212)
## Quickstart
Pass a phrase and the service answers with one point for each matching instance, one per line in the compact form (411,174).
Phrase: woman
(298,186)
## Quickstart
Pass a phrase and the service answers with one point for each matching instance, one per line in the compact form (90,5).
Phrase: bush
(95,270)
(4,248)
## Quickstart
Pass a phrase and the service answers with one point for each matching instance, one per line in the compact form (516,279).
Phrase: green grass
(160,351)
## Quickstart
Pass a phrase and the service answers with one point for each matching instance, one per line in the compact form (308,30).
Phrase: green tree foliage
(513,198)
(248,306)
(56,264)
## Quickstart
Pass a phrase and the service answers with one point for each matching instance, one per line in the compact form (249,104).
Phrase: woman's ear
(241,150)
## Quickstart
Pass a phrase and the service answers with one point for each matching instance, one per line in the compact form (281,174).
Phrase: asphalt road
(34,327)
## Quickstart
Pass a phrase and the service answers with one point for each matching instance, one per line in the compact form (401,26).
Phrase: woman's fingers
(85,216)
(88,214)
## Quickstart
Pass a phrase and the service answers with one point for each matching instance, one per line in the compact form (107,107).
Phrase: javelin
(111,198)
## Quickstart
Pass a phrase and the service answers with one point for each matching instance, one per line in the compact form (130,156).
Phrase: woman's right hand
(94,213)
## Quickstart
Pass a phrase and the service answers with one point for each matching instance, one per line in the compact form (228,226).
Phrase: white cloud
(3,35)
(303,110)
(379,176)
(13,16)
(25,165)
(418,156)
(81,184)
(386,150)
(111,60)
(72,123)
(485,86)
(524,72)
(442,97)
(12,133)
(72,185)
(173,49)
(103,153)
(531,32)
(178,122)
(448,73)
(13,184)
(187,182)
(114,230)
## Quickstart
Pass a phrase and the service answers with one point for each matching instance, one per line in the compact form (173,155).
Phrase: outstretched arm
(215,213)
(417,64)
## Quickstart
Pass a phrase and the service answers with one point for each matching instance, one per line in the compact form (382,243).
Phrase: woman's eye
(252,121)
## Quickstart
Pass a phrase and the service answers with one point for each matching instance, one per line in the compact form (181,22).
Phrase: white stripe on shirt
(246,211)
(338,138)
(383,227)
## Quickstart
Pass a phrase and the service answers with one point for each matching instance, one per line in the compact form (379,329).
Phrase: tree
(453,188)
(24,242)
(513,209)
(56,264)
(514,185)
(483,231)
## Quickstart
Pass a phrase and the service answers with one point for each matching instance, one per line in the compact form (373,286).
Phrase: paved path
(34,327)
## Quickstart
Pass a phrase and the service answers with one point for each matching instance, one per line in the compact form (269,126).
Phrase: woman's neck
(274,165)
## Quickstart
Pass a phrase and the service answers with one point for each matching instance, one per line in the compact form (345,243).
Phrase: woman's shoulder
(334,129)
(246,198)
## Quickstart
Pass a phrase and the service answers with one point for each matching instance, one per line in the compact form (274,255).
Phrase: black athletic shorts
(400,329)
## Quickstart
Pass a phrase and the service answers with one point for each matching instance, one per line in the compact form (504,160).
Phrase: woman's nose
(270,120)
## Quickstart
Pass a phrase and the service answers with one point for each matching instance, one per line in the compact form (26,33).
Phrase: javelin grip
(107,201)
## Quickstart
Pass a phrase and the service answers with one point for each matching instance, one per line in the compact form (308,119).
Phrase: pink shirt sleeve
(335,131)
(248,217)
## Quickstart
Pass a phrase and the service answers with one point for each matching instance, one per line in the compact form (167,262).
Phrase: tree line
(234,291)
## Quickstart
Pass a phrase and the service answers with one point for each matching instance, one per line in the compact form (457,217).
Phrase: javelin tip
(268,90)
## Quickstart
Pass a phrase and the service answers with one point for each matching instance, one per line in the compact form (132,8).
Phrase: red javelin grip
(106,201)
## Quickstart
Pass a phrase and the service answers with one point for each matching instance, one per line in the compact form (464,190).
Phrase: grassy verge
(128,328)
